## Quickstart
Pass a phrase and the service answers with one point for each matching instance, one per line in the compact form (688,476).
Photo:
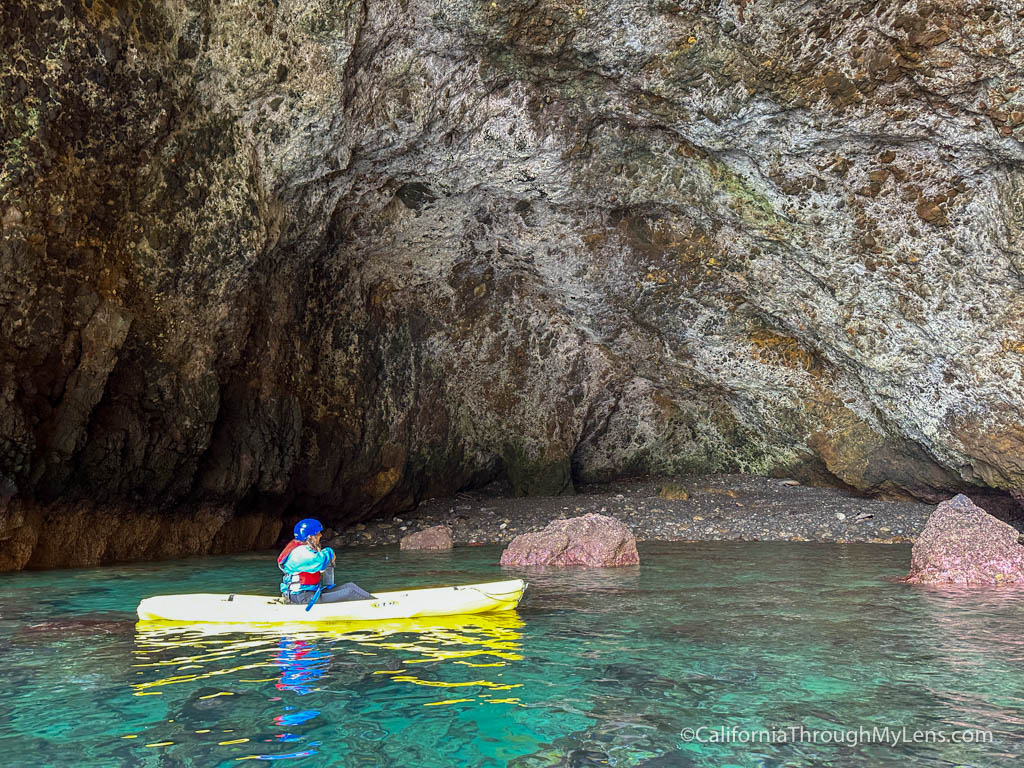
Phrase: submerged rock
(962,544)
(437,537)
(592,539)
(79,625)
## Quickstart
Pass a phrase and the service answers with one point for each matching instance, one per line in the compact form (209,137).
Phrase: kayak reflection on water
(302,653)
(302,664)
(426,662)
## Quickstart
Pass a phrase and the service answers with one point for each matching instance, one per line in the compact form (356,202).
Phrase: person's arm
(305,559)
(329,553)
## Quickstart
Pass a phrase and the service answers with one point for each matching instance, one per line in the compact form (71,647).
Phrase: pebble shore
(716,508)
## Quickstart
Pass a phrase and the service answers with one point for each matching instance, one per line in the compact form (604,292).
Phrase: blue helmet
(306,528)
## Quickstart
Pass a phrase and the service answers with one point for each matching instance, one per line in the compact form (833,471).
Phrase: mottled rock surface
(307,257)
(591,539)
(434,538)
(962,544)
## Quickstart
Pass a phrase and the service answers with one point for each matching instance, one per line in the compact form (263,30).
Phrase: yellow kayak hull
(405,604)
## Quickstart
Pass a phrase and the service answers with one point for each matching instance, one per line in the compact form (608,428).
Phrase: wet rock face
(963,544)
(591,540)
(302,257)
(83,533)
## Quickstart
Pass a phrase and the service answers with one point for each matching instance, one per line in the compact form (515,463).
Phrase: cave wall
(264,259)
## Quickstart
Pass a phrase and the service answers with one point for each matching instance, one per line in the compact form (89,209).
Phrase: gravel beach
(720,507)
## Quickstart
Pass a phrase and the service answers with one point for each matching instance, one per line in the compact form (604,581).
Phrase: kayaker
(307,566)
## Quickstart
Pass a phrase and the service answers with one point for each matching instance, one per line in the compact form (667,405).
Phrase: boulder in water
(594,540)
(438,537)
(962,544)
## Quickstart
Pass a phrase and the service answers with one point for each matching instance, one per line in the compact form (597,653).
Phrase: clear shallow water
(598,667)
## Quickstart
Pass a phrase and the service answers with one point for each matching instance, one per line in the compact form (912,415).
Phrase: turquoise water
(598,667)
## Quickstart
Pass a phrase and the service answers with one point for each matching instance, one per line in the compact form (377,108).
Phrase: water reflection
(301,679)
(970,622)
(975,637)
(302,664)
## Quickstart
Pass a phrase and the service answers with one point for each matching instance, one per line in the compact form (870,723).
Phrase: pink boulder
(963,544)
(596,540)
(436,538)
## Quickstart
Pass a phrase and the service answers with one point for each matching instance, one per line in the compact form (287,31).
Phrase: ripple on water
(599,666)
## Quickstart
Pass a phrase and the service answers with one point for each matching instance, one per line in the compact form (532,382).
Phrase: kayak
(405,604)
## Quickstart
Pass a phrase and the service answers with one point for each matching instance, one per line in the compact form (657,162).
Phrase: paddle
(325,577)
(316,596)
(328,575)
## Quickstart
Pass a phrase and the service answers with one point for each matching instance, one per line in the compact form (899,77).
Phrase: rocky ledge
(715,508)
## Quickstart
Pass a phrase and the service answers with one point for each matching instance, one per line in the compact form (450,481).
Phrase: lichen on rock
(591,540)
(435,538)
(963,544)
